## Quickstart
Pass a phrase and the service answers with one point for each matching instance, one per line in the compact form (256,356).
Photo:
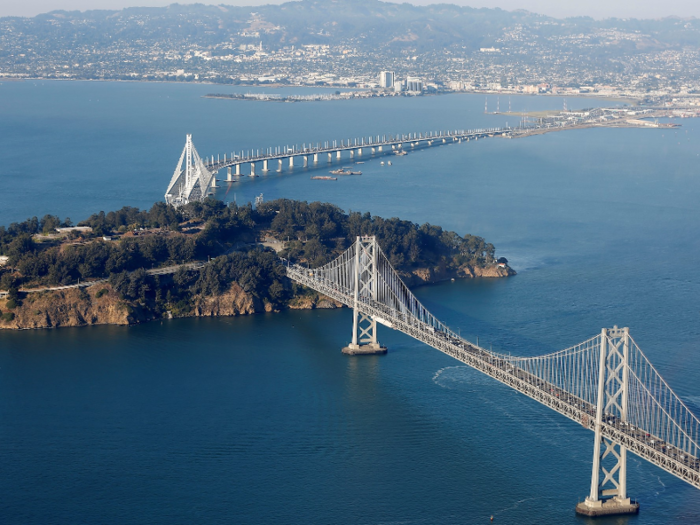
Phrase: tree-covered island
(138,265)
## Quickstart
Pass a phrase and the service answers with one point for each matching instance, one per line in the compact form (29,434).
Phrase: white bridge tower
(365,283)
(609,494)
(191,180)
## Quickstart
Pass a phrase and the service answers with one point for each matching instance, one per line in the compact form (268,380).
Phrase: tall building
(414,85)
(386,79)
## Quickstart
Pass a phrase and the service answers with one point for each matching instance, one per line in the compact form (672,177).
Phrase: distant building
(386,79)
(414,85)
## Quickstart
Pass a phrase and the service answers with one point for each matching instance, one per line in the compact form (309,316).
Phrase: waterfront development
(273,423)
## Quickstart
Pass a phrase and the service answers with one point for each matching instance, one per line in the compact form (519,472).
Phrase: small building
(3,260)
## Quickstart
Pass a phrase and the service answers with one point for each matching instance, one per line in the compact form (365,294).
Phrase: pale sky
(556,8)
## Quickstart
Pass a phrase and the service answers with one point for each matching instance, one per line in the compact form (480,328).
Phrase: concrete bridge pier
(291,162)
(229,177)
(252,169)
(359,152)
(315,158)
(330,158)
(213,180)
(306,161)
(380,148)
(264,167)
(238,170)
(337,156)
(352,154)
(374,150)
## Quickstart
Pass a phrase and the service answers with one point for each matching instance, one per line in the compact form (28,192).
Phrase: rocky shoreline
(101,305)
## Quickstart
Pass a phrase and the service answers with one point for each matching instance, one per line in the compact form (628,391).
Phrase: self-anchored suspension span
(606,383)
(194,177)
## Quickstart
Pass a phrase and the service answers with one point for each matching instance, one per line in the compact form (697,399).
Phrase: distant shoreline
(611,98)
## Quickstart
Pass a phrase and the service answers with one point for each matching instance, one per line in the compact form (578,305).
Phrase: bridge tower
(191,181)
(609,496)
(365,282)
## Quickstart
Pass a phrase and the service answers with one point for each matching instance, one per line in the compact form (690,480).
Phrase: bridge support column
(213,180)
(609,496)
(330,158)
(229,177)
(265,165)
(238,170)
(352,153)
(279,167)
(337,155)
(359,152)
(291,162)
(374,150)
(315,158)
(364,327)
(306,161)
(252,169)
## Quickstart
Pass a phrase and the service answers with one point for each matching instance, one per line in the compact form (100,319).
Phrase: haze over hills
(342,42)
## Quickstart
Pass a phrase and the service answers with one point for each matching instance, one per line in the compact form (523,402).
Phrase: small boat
(389,163)
(382,163)
(323,177)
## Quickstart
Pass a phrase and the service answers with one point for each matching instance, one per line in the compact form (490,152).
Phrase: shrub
(8,316)
(12,304)
(100,293)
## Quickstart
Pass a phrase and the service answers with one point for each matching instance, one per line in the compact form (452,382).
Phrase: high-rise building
(414,85)
(386,79)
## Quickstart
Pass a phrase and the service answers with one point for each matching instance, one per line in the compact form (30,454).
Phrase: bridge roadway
(633,438)
(375,144)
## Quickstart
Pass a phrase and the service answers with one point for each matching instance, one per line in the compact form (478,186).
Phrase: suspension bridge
(195,177)
(606,383)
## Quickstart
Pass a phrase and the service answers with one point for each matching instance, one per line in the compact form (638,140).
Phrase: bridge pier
(337,156)
(238,170)
(213,180)
(359,152)
(291,162)
(252,169)
(352,154)
(279,167)
(229,177)
(315,158)
(330,158)
(265,165)
(306,161)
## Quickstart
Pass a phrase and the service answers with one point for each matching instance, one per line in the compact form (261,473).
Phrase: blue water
(261,419)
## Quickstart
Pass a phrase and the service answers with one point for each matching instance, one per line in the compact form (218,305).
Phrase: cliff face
(70,308)
(100,304)
(232,302)
(434,275)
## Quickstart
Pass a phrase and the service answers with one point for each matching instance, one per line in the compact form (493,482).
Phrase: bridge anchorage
(606,383)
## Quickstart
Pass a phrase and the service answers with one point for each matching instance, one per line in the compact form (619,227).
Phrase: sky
(556,8)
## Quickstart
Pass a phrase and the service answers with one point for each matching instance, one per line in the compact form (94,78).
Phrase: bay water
(260,419)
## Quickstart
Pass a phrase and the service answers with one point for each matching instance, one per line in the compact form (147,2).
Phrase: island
(206,259)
